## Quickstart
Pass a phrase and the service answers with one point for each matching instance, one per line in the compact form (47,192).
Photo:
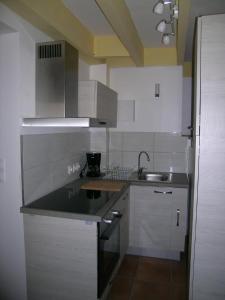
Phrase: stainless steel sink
(156,177)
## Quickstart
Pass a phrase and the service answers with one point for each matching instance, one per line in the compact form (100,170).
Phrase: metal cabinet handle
(159,192)
(106,235)
(178,217)
(108,221)
(116,213)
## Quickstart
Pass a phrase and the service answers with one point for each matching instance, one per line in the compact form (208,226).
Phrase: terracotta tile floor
(147,278)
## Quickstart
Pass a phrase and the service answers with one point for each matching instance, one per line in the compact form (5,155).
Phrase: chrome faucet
(140,170)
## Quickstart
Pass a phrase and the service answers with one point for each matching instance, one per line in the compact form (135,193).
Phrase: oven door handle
(108,232)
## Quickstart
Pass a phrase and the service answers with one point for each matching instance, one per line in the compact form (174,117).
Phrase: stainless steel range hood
(56,102)
(62,122)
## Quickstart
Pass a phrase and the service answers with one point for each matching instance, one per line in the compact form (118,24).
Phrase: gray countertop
(62,212)
(179,180)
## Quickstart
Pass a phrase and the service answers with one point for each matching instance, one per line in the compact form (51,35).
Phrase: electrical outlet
(69,170)
(76,167)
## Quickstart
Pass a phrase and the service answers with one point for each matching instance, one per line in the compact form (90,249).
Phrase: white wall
(12,259)
(99,72)
(186,105)
(138,84)
(17,99)
(28,35)
(83,70)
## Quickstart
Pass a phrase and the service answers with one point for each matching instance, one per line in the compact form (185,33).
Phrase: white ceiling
(201,8)
(145,21)
(90,16)
(5,29)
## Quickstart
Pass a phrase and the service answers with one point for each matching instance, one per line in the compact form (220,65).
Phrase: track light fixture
(163,24)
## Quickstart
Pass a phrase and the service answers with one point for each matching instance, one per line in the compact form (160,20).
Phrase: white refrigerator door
(193,211)
(207,246)
(197,81)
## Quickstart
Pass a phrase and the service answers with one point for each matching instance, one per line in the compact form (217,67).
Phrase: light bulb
(167,1)
(166,39)
(158,8)
(175,12)
(161,27)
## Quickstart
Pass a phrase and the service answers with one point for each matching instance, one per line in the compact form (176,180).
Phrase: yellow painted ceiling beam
(109,46)
(119,17)
(187,69)
(152,57)
(53,18)
(182,27)
(160,56)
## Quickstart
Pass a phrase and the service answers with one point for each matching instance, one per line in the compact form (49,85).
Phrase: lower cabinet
(62,255)
(123,206)
(158,221)
(61,258)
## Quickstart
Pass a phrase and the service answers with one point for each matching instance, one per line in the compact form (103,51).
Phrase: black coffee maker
(93,164)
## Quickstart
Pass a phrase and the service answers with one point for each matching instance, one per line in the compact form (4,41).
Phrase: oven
(108,248)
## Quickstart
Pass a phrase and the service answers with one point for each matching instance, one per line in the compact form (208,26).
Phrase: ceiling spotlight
(175,12)
(161,27)
(166,39)
(158,8)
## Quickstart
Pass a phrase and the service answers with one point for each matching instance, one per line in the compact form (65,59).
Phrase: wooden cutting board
(103,185)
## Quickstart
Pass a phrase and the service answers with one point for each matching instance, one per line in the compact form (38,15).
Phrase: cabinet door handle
(116,213)
(159,192)
(178,217)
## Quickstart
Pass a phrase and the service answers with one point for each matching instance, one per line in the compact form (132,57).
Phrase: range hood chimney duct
(56,80)
(57,88)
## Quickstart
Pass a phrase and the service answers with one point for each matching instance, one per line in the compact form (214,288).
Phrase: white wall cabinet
(96,100)
(158,221)
(151,114)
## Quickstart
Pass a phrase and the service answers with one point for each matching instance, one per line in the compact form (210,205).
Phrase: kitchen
(51,168)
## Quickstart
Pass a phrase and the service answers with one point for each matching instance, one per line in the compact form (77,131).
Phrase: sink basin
(156,177)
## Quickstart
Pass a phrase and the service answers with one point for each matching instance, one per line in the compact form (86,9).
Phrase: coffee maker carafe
(93,164)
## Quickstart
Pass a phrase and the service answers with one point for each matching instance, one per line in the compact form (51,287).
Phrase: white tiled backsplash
(167,151)
(45,158)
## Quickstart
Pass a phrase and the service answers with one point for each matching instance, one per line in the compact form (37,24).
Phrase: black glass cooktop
(73,200)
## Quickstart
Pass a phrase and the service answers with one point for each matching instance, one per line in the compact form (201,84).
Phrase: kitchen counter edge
(180,180)
(85,217)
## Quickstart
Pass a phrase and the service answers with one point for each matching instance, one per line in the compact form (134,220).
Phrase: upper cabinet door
(154,113)
(96,100)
